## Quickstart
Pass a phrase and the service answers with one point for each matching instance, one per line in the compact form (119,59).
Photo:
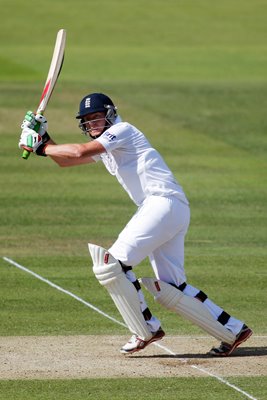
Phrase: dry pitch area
(54,357)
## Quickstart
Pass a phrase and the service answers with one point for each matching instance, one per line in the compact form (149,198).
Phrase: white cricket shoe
(136,344)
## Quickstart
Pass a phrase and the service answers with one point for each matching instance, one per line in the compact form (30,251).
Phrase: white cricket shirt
(139,168)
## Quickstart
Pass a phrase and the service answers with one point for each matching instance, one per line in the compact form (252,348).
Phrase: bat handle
(26,153)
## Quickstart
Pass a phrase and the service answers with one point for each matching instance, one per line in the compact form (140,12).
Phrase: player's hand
(38,123)
(32,141)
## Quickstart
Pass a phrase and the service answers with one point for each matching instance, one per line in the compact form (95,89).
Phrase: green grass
(120,389)
(192,75)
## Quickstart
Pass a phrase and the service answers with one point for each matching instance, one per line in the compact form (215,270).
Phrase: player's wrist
(41,150)
(45,137)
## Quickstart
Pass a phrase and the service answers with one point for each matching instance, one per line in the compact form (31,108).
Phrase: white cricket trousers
(156,230)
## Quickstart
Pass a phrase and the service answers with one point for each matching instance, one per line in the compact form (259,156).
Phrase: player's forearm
(64,150)
(67,155)
(58,160)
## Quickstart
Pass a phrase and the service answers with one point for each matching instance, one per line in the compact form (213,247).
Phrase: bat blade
(52,77)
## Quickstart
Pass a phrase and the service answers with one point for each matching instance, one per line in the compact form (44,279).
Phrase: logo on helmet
(87,102)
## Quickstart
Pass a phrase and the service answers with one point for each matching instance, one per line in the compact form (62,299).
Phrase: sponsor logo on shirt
(109,136)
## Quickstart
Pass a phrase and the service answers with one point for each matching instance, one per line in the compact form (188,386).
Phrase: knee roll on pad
(106,268)
(109,273)
(189,307)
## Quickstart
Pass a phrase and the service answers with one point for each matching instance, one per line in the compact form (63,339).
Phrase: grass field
(192,76)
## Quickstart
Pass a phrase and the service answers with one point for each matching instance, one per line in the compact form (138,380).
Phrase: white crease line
(219,378)
(166,349)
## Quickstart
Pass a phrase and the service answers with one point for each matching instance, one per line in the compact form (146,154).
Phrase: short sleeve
(115,137)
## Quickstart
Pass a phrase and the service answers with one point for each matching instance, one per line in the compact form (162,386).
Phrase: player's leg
(193,309)
(152,322)
(135,343)
(168,264)
(153,224)
(124,292)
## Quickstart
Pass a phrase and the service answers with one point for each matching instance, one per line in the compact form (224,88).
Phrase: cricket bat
(53,74)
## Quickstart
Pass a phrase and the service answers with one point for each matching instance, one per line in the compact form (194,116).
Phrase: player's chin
(95,133)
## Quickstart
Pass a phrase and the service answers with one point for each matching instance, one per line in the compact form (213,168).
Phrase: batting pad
(189,307)
(109,273)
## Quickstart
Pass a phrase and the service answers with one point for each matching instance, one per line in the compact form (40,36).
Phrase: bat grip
(26,153)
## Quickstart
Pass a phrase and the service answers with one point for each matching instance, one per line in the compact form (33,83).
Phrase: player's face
(95,123)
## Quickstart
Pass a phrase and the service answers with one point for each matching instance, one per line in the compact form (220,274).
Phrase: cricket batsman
(157,230)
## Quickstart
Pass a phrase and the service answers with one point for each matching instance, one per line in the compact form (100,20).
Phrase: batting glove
(32,141)
(38,123)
